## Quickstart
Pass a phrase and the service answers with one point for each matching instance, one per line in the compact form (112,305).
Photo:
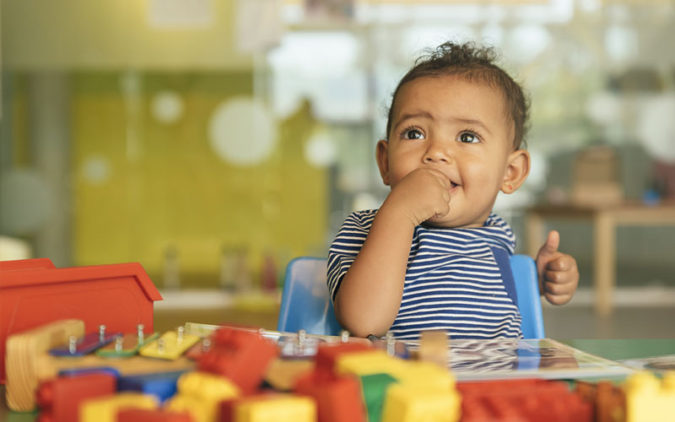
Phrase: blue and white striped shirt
(453,281)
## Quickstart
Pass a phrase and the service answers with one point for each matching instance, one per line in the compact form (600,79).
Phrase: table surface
(613,349)
(624,349)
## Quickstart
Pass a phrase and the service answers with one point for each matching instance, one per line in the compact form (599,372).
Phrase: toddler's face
(458,127)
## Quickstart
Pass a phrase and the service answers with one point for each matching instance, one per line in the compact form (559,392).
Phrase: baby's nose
(438,153)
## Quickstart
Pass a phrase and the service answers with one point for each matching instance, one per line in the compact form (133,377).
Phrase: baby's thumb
(552,243)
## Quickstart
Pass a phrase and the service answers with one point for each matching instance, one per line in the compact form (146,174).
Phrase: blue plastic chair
(305,301)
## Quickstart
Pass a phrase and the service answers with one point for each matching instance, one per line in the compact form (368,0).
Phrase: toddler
(431,257)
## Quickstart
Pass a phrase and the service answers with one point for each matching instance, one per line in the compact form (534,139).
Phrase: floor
(637,318)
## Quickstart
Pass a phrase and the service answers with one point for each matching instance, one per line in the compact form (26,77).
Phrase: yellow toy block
(413,403)
(171,345)
(199,394)
(278,408)
(369,363)
(199,410)
(104,409)
(649,399)
(408,372)
(207,386)
(426,374)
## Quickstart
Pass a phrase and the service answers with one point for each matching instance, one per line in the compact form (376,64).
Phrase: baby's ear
(382,157)
(517,169)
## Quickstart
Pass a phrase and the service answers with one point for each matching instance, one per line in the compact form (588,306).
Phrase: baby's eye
(468,138)
(412,133)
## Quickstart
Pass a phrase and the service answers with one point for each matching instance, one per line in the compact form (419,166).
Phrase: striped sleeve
(346,247)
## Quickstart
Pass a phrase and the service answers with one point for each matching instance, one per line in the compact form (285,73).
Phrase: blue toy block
(161,385)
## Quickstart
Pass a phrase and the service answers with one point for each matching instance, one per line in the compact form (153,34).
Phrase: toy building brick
(33,292)
(59,399)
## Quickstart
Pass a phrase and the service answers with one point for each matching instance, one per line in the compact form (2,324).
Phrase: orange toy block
(525,399)
(59,399)
(338,399)
(34,293)
(328,353)
(241,356)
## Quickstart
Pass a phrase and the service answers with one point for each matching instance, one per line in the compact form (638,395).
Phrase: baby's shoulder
(363,218)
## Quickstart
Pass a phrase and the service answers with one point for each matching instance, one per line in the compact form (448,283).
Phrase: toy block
(85,345)
(328,353)
(195,352)
(409,403)
(337,399)
(608,400)
(226,408)
(150,415)
(369,362)
(374,389)
(104,409)
(278,408)
(434,347)
(649,399)
(282,374)
(32,294)
(29,362)
(241,356)
(162,385)
(59,399)
(524,399)
(125,346)
(207,386)
(74,372)
(198,409)
(170,345)
(199,394)
(427,374)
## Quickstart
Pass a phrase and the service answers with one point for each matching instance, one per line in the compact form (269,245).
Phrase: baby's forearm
(370,293)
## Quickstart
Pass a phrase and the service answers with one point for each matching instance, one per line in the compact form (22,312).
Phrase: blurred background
(214,140)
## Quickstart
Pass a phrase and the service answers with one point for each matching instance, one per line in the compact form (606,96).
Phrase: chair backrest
(524,272)
(305,301)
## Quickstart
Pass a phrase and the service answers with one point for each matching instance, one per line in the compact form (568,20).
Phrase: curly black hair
(472,63)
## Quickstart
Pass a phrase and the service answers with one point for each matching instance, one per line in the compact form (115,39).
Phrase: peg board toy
(33,292)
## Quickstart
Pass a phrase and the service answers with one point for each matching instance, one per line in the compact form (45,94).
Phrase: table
(624,349)
(614,349)
(605,220)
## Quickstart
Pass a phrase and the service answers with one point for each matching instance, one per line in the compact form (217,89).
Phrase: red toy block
(156,415)
(337,400)
(328,353)
(241,356)
(60,398)
(226,410)
(32,294)
(608,400)
(522,400)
